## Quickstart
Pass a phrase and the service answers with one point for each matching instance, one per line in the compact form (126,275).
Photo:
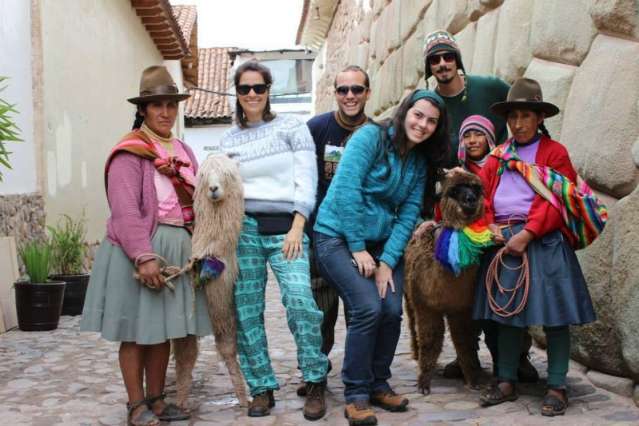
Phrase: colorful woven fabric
(139,143)
(459,249)
(583,213)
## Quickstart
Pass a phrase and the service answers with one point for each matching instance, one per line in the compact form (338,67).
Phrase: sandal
(171,412)
(553,405)
(145,418)
(494,395)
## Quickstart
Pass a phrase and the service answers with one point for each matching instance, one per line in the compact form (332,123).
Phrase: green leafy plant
(36,256)
(68,248)
(8,129)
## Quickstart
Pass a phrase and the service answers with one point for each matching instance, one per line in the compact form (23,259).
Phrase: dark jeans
(373,324)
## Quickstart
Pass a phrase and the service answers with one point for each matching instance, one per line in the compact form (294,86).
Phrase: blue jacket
(372,199)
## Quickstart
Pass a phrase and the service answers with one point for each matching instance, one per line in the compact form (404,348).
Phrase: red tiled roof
(214,74)
(157,17)
(186,16)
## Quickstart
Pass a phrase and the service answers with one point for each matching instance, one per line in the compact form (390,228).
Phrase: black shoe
(453,370)
(526,372)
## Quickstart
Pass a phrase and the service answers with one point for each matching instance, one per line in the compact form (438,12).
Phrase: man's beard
(442,80)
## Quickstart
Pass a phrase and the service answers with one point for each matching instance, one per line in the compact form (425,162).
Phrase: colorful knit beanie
(481,124)
(439,41)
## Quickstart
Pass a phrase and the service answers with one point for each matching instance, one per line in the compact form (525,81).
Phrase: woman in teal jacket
(362,228)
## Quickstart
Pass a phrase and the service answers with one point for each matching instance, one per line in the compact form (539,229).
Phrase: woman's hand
(424,227)
(518,243)
(150,275)
(383,279)
(498,237)
(293,246)
(365,263)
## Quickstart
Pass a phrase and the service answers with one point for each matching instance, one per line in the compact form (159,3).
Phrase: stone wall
(22,216)
(585,53)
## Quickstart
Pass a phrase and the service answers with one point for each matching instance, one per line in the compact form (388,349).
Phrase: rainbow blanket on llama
(458,249)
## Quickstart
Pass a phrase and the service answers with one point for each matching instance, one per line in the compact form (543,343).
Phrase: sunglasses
(355,89)
(244,89)
(435,59)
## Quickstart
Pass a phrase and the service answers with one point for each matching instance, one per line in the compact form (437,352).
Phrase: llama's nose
(213,189)
(470,197)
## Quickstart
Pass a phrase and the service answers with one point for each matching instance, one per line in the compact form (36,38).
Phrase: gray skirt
(558,293)
(124,310)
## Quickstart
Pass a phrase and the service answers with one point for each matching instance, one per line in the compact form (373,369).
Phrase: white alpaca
(219,208)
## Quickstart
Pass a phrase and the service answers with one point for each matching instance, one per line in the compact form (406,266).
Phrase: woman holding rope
(535,279)
(150,178)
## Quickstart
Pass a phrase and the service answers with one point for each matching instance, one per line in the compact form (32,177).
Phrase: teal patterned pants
(303,316)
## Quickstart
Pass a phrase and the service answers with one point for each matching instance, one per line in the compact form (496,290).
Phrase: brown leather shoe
(360,413)
(261,404)
(315,405)
(389,401)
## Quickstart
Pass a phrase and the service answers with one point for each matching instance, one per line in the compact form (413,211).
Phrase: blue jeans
(374,323)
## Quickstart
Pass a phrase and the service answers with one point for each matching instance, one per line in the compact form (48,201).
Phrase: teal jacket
(373,199)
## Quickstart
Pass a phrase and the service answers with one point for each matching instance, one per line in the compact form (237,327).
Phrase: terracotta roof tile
(214,74)
(185,15)
(157,17)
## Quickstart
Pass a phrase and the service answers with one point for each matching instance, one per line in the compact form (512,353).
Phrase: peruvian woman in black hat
(535,278)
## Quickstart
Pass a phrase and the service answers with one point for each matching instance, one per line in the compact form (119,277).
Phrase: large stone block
(611,268)
(601,118)
(485,39)
(413,59)
(358,55)
(466,42)
(616,16)
(411,15)
(453,15)
(386,85)
(478,8)
(555,80)
(562,30)
(387,37)
(512,49)
(379,5)
(635,152)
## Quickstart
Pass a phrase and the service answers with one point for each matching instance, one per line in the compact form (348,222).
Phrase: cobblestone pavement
(66,377)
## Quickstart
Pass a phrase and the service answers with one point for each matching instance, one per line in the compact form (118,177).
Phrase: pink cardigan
(133,202)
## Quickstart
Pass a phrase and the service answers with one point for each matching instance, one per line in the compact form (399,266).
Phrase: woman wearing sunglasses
(279,172)
(361,231)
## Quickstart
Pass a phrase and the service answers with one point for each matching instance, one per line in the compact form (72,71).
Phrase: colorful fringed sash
(583,213)
(137,142)
(458,249)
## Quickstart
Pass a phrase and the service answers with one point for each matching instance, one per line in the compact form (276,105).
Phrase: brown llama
(434,292)
(218,205)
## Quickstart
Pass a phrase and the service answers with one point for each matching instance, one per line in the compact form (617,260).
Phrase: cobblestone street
(68,378)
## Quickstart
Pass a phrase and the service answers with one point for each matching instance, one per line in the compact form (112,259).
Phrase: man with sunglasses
(331,132)
(466,95)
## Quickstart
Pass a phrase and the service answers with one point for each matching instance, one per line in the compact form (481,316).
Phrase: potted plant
(38,300)
(8,130)
(68,251)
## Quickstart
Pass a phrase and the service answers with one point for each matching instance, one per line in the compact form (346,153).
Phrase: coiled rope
(168,272)
(522,284)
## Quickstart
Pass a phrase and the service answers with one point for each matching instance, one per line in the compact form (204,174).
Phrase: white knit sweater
(277,164)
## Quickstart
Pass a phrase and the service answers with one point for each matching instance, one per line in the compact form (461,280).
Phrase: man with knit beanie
(463,94)
(466,95)
(331,132)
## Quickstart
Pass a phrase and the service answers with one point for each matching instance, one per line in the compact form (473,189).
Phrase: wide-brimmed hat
(437,42)
(525,93)
(157,84)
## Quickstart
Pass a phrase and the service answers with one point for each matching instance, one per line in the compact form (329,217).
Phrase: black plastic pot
(39,305)
(74,292)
